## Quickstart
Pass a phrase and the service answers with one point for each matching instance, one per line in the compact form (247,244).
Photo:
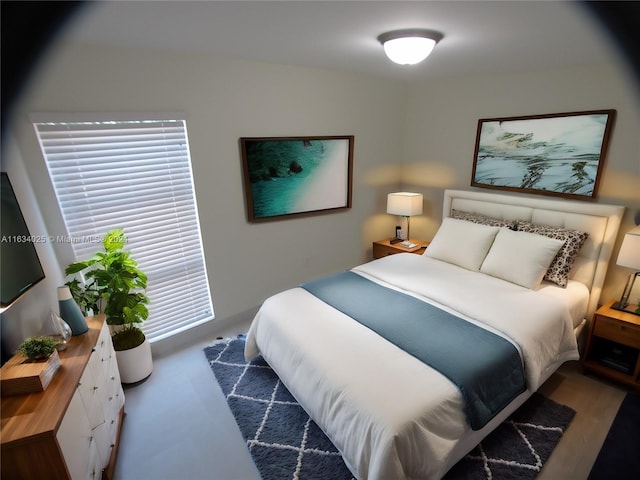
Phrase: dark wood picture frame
(561,154)
(288,177)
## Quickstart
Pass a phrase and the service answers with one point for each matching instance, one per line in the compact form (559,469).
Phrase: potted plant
(115,286)
(38,348)
(32,368)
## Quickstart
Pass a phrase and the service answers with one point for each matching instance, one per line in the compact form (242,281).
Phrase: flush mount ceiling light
(408,47)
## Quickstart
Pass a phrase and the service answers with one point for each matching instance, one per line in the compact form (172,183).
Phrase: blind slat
(135,175)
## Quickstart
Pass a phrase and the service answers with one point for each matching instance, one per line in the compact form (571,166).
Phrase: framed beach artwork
(295,176)
(559,154)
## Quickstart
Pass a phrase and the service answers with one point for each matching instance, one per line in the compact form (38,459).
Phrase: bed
(391,415)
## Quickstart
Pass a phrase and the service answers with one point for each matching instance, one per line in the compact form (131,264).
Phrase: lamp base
(628,308)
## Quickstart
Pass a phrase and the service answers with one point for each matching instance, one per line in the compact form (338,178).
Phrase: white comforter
(390,415)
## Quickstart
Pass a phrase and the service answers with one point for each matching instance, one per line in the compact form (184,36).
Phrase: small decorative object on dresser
(59,330)
(613,345)
(70,311)
(32,367)
(382,248)
(38,348)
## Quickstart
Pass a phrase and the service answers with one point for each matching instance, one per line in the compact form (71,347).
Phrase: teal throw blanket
(485,367)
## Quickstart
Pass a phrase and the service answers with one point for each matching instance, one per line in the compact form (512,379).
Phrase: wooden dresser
(71,430)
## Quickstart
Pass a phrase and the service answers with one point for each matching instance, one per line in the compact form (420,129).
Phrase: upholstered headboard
(600,221)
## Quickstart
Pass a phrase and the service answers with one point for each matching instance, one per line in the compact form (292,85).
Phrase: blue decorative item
(70,312)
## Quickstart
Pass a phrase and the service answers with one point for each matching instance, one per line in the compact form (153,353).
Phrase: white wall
(224,100)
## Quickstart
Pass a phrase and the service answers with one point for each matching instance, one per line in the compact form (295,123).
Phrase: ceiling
(479,36)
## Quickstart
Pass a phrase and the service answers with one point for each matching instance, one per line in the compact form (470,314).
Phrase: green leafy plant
(38,348)
(88,299)
(113,278)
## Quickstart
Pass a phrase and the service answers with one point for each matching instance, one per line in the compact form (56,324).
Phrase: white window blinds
(135,175)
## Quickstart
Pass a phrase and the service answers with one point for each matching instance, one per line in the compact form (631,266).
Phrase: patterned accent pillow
(483,219)
(560,267)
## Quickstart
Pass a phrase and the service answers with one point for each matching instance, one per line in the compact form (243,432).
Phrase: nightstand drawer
(625,333)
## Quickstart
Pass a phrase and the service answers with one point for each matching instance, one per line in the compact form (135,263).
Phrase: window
(135,175)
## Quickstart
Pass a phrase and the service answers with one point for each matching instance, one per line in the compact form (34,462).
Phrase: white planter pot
(135,364)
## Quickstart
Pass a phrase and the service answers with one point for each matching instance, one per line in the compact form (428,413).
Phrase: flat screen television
(20,267)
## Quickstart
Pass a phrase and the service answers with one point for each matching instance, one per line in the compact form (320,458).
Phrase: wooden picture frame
(560,154)
(288,177)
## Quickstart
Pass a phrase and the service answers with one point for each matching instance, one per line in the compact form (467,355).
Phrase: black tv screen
(20,268)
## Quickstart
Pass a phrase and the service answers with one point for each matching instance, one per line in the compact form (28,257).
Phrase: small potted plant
(32,368)
(38,348)
(115,286)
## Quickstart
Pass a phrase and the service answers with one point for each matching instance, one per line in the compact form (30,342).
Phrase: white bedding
(575,295)
(391,416)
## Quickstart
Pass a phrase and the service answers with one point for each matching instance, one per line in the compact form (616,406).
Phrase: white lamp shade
(409,50)
(405,204)
(629,255)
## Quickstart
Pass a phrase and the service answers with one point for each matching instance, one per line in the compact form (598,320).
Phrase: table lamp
(629,256)
(405,204)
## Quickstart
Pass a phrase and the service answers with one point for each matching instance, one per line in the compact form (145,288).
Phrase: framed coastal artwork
(295,176)
(560,154)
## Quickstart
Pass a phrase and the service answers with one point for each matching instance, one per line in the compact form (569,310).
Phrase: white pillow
(462,243)
(520,257)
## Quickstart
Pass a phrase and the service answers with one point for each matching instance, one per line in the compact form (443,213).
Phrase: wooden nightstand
(382,248)
(613,345)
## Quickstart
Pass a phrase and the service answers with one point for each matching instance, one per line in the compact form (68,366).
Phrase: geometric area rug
(286,444)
